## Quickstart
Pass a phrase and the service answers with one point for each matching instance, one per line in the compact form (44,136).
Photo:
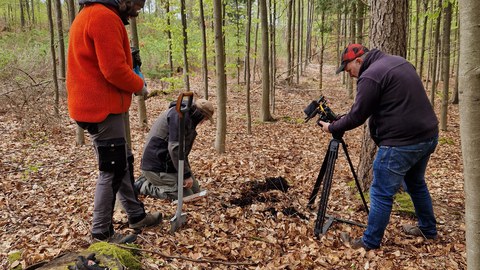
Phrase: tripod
(325,175)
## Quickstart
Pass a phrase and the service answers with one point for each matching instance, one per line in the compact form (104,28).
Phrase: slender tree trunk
(52,50)
(447,23)
(436,41)
(185,46)
(457,59)
(34,20)
(360,20)
(424,37)
(61,42)
(169,37)
(237,45)
(71,10)
(204,51)
(256,43)
(247,65)
(265,110)
(221,79)
(22,14)
(289,41)
(417,22)
(142,108)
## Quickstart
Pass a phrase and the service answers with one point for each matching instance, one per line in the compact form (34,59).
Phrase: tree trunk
(169,37)
(247,65)
(391,38)
(436,40)
(52,50)
(265,110)
(221,79)
(289,41)
(22,14)
(71,10)
(61,42)
(360,20)
(424,38)
(469,83)
(447,23)
(185,46)
(256,43)
(204,51)
(142,108)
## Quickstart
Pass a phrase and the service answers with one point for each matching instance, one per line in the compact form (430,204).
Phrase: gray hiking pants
(114,177)
(165,185)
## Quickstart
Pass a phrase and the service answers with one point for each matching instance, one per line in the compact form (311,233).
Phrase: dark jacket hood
(113,3)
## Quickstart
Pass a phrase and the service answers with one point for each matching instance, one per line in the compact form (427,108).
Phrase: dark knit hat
(351,52)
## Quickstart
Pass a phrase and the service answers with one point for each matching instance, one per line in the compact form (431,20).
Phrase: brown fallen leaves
(47,186)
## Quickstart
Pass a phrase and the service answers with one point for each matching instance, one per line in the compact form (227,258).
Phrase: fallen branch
(186,258)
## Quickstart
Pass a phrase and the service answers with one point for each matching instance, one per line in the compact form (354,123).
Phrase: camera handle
(326,175)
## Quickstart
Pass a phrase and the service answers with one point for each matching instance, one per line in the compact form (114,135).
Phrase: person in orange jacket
(100,84)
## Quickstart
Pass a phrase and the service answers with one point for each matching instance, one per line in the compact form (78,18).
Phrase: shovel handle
(181,110)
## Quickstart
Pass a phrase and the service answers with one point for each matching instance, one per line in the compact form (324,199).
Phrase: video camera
(320,107)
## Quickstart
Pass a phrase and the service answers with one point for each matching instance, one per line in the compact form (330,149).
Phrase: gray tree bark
(469,85)
(221,79)
(447,23)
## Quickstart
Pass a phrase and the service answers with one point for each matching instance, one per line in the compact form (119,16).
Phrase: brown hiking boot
(415,231)
(353,243)
(147,221)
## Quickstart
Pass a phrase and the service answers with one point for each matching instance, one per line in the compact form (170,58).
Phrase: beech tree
(469,85)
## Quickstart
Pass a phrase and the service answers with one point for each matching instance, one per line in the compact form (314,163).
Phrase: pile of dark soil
(256,193)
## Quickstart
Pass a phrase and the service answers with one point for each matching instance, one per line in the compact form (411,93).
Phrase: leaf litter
(47,185)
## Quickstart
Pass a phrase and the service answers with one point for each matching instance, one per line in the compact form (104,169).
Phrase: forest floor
(47,185)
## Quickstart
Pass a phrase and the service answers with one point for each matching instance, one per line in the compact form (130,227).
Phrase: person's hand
(188,183)
(143,93)
(138,72)
(324,126)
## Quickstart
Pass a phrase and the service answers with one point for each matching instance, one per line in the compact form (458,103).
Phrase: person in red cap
(404,126)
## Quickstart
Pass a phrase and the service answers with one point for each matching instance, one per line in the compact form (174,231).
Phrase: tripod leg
(357,183)
(327,184)
(316,187)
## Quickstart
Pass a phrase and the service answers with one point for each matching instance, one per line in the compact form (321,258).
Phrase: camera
(321,108)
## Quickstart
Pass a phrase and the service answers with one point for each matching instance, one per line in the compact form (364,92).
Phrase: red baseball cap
(351,52)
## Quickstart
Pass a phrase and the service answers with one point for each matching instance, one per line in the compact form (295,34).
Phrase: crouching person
(160,156)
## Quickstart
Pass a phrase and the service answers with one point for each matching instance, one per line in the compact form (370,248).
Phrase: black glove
(89,263)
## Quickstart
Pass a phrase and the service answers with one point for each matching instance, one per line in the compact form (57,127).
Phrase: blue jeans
(394,165)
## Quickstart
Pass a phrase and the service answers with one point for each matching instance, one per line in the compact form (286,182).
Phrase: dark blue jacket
(390,92)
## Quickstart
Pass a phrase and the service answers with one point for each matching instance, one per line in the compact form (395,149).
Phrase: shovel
(181,218)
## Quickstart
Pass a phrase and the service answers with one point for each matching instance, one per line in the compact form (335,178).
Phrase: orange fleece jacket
(100,79)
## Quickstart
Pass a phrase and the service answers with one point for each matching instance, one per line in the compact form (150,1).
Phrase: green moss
(126,257)
(444,140)
(15,256)
(401,201)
